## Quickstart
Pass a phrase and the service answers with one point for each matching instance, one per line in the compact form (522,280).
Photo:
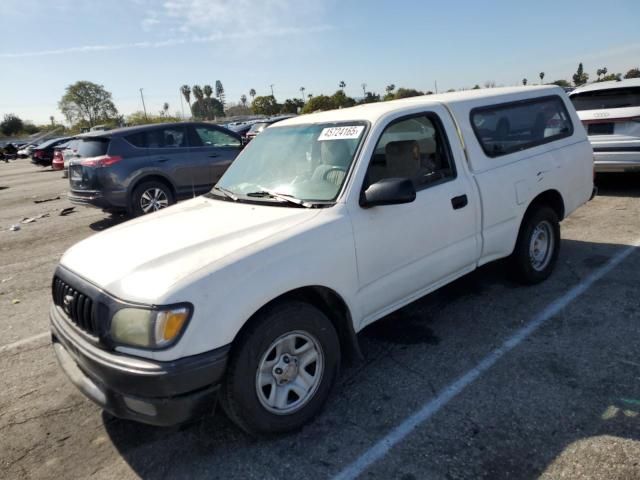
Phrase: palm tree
(390,88)
(302,89)
(524,81)
(252,94)
(310,95)
(197,92)
(208,91)
(53,121)
(364,89)
(186,92)
(342,84)
(165,109)
(541,77)
(243,100)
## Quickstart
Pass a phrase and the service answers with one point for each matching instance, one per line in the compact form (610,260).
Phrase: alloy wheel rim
(541,246)
(153,200)
(289,373)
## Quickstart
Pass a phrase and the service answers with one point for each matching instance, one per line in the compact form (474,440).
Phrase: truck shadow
(575,392)
(618,184)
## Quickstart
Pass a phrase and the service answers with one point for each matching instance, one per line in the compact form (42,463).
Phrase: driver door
(405,250)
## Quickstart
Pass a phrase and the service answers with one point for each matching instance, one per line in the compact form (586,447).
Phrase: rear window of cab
(512,127)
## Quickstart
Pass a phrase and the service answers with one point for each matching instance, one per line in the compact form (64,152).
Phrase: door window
(414,148)
(212,137)
(168,137)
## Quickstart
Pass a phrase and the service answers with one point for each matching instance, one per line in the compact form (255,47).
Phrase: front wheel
(537,248)
(282,369)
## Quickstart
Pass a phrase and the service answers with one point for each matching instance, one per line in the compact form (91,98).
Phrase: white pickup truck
(325,223)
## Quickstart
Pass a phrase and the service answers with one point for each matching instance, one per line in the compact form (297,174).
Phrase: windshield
(307,162)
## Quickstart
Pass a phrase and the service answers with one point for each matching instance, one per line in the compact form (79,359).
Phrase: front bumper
(147,391)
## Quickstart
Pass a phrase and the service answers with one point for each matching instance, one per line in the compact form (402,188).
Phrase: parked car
(58,161)
(146,168)
(258,127)
(26,150)
(610,111)
(324,224)
(241,128)
(43,153)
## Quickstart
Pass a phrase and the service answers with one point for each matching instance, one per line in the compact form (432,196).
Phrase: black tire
(240,396)
(141,193)
(526,268)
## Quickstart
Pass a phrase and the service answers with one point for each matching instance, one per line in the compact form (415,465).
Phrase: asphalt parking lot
(561,402)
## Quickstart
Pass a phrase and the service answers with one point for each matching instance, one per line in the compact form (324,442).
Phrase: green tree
(342,85)
(207,90)
(633,73)
(252,94)
(139,118)
(580,77)
(477,87)
(561,83)
(265,105)
(11,125)
(610,77)
(370,97)
(541,77)
(524,82)
(341,100)
(198,94)
(237,110)
(220,92)
(389,94)
(87,102)
(407,92)
(186,93)
(318,103)
(291,105)
(207,109)
(302,89)
(243,100)
(165,110)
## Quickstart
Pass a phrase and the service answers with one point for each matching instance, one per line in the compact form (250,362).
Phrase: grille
(77,306)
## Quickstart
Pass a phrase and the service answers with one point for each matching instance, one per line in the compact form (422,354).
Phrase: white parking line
(24,341)
(395,436)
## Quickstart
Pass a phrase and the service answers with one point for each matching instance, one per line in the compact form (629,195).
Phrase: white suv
(610,111)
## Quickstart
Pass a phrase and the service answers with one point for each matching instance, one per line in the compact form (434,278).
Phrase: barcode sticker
(341,133)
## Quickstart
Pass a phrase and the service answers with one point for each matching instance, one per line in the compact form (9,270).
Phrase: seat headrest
(335,152)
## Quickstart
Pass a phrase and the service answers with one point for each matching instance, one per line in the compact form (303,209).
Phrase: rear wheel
(537,248)
(149,197)
(282,369)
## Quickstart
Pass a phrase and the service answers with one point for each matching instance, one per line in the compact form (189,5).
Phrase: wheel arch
(147,177)
(550,198)
(331,304)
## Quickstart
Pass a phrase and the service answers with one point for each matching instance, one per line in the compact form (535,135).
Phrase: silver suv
(610,112)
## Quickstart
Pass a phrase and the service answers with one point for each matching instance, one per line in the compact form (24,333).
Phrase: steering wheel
(333,175)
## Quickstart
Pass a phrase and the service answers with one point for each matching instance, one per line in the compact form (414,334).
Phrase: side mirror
(388,191)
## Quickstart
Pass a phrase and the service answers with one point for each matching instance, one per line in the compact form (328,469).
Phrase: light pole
(143,106)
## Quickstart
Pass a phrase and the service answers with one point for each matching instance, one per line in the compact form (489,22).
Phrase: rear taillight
(101,161)
(37,153)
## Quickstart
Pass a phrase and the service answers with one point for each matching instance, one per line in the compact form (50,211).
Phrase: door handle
(162,160)
(214,155)
(459,202)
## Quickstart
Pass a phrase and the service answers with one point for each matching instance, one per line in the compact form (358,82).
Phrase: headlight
(138,327)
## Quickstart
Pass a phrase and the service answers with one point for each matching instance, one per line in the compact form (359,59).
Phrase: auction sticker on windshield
(341,133)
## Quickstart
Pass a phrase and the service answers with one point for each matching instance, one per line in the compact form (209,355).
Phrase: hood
(140,259)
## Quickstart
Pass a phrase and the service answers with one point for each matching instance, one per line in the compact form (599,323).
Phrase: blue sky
(159,45)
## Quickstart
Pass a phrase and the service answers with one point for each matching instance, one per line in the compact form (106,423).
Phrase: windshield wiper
(263,192)
(227,193)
